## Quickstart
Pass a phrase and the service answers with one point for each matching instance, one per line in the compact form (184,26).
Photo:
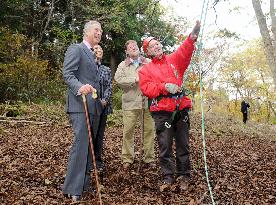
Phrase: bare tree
(268,39)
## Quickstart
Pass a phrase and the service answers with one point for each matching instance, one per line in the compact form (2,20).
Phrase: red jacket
(169,69)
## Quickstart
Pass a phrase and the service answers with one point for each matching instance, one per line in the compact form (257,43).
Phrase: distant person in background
(244,110)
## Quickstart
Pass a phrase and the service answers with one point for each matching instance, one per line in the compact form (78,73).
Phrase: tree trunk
(49,16)
(271,107)
(193,100)
(236,99)
(268,42)
(268,112)
(113,64)
(273,20)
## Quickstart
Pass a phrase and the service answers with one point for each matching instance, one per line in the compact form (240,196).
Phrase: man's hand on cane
(85,89)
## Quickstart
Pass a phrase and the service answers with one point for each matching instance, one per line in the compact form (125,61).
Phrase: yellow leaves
(193,76)
(193,82)
(248,69)
(25,65)
(17,41)
(30,64)
(10,43)
(180,38)
(47,181)
(24,78)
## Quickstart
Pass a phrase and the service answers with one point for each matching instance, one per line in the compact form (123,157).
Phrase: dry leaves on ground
(241,162)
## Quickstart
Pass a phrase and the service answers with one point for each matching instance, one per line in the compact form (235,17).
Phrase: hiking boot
(165,187)
(167,183)
(183,182)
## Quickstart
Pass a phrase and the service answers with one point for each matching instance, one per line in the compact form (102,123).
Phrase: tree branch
(268,45)
(273,20)
(49,16)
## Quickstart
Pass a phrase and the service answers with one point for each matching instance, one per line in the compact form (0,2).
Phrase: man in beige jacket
(133,103)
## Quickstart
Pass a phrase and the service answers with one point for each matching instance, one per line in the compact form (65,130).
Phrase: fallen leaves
(241,163)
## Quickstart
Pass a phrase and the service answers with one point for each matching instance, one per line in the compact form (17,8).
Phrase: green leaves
(37,33)
(23,76)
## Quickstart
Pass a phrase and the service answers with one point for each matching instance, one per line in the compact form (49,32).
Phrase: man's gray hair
(88,25)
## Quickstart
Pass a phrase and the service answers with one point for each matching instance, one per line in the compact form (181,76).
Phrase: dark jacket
(244,106)
(106,87)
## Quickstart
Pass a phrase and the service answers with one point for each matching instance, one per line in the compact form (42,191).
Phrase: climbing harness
(175,116)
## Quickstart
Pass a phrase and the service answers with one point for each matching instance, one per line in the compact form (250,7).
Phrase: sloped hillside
(241,161)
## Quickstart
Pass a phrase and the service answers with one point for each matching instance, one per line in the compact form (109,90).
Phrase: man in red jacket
(161,80)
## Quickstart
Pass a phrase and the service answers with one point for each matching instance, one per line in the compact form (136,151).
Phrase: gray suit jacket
(79,69)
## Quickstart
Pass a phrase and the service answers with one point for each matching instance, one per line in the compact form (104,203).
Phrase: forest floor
(241,163)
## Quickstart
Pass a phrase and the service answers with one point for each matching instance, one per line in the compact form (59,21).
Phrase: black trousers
(179,131)
(99,141)
(244,117)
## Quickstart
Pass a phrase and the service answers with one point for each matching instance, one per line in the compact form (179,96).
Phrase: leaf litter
(241,165)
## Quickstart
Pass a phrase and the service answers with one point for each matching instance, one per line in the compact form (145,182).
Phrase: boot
(183,182)
(168,180)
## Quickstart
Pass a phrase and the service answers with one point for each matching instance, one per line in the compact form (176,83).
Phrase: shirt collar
(141,60)
(87,44)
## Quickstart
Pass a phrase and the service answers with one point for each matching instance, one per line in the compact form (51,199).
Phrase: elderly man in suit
(81,76)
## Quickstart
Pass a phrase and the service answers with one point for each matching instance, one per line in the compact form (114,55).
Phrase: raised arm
(182,56)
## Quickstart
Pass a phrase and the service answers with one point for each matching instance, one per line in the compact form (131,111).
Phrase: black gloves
(195,31)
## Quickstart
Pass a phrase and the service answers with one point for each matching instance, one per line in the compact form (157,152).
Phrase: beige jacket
(127,78)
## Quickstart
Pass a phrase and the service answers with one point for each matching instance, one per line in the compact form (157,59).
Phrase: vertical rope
(202,106)
(203,16)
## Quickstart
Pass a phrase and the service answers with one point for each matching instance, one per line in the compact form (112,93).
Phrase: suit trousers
(129,119)
(80,161)
(179,131)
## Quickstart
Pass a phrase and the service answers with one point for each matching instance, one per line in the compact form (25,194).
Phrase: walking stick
(142,132)
(92,147)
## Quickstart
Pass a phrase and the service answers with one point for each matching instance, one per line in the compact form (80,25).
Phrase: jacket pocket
(128,97)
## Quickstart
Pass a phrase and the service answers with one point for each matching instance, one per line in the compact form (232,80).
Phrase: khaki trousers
(129,119)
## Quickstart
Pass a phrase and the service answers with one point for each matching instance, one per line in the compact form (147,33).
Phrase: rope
(196,54)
